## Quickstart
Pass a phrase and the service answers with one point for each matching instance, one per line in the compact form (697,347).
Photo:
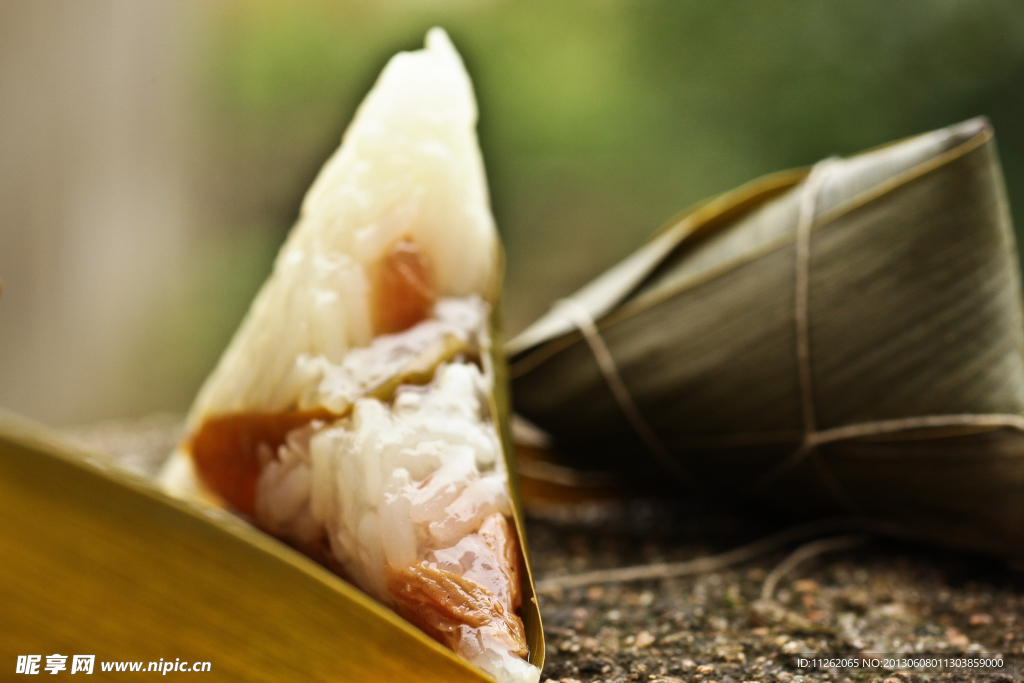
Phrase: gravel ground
(881,597)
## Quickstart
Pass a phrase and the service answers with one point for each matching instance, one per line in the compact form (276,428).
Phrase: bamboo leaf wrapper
(903,293)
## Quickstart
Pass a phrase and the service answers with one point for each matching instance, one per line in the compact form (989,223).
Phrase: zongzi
(356,413)
(842,340)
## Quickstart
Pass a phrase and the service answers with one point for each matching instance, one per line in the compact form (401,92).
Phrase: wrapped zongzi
(846,339)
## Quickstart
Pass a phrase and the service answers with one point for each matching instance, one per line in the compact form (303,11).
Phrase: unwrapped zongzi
(357,412)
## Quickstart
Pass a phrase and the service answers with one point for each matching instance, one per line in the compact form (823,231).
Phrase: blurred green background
(598,120)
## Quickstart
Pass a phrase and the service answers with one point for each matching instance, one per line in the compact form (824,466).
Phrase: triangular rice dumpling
(358,411)
(846,339)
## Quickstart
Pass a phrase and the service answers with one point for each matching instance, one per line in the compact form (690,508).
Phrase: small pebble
(673,637)
(981,620)
(957,639)
(718,623)
(644,639)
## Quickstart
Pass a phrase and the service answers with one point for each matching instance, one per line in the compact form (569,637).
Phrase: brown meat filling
(225,447)
(444,604)
(225,451)
(404,292)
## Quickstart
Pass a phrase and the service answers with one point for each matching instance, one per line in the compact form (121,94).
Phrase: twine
(812,436)
(804,553)
(699,565)
(805,221)
(582,319)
